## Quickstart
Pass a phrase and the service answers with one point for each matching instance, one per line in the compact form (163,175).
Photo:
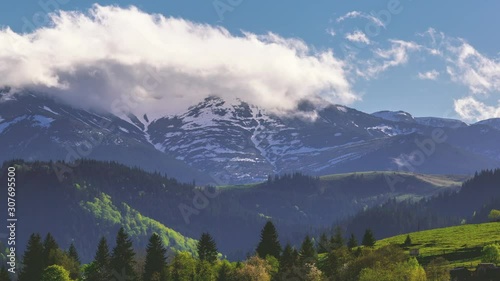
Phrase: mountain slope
(77,210)
(239,143)
(34,127)
(460,245)
(231,142)
(99,197)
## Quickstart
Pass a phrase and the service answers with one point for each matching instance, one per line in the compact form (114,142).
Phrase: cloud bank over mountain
(123,59)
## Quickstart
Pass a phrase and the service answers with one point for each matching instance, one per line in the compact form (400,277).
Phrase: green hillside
(460,245)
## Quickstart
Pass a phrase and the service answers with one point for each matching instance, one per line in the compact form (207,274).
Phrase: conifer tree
(4,274)
(207,248)
(100,269)
(368,239)
(353,242)
(33,263)
(269,243)
(408,241)
(323,244)
(122,259)
(337,240)
(50,249)
(288,259)
(155,258)
(307,252)
(73,254)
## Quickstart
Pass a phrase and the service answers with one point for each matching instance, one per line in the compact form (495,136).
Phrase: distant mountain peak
(396,116)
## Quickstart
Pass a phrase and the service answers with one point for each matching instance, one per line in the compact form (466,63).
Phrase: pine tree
(122,259)
(353,242)
(155,258)
(288,259)
(323,245)
(207,249)
(50,249)
(33,262)
(100,270)
(4,274)
(368,239)
(73,254)
(408,241)
(307,252)
(269,243)
(337,240)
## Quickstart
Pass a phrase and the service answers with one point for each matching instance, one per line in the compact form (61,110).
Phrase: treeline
(471,204)
(322,259)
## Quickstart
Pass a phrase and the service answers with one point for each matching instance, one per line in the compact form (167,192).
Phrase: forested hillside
(109,195)
(472,204)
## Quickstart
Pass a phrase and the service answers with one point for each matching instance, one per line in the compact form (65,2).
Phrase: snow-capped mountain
(33,127)
(221,142)
(237,142)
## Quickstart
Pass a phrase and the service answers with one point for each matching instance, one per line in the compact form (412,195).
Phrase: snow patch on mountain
(42,121)
(50,110)
(5,125)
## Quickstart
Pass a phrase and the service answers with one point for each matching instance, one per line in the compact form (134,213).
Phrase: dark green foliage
(99,269)
(207,248)
(307,252)
(155,258)
(337,240)
(33,260)
(335,262)
(269,243)
(323,244)
(288,260)
(73,254)
(122,259)
(477,197)
(368,239)
(50,249)
(407,242)
(353,242)
(4,274)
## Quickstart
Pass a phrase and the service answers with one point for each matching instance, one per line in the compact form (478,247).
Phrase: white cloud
(164,64)
(472,110)
(429,75)
(358,36)
(473,69)
(357,14)
(397,54)
(331,32)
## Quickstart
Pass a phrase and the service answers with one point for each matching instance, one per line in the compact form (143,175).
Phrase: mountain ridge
(221,142)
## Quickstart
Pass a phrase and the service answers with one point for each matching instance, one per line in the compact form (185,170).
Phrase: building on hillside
(487,272)
(460,274)
(415,252)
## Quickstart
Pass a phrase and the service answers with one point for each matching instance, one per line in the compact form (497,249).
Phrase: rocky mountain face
(239,143)
(221,142)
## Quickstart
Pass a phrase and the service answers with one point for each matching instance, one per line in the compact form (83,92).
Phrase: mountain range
(220,142)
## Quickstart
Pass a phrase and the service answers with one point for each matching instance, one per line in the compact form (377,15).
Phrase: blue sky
(422,83)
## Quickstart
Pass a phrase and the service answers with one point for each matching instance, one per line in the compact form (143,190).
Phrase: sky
(429,58)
